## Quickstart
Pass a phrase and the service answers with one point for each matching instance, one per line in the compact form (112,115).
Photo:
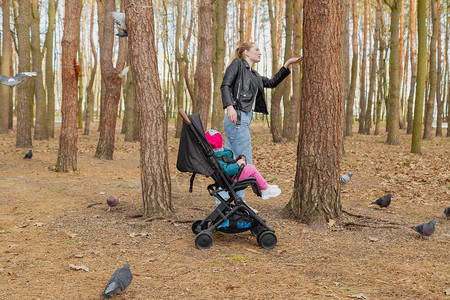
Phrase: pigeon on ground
(119,19)
(112,202)
(346,178)
(447,212)
(425,229)
(16,79)
(29,155)
(118,282)
(383,201)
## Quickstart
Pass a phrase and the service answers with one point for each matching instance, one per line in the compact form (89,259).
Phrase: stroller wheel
(256,230)
(267,239)
(203,240)
(196,226)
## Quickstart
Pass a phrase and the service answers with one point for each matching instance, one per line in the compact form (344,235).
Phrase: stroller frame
(234,206)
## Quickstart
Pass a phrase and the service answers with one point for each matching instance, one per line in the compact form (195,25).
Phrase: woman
(243,93)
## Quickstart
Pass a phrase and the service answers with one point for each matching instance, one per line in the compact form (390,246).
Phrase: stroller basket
(233,215)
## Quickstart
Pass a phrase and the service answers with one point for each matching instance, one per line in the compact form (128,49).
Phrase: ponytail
(239,51)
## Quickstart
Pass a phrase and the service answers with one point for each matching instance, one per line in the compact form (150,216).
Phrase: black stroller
(195,155)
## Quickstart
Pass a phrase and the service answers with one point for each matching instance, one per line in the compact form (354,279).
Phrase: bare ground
(50,220)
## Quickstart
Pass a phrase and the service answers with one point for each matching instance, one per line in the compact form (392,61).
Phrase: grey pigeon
(383,201)
(346,178)
(29,155)
(425,229)
(112,202)
(119,19)
(447,212)
(118,282)
(16,79)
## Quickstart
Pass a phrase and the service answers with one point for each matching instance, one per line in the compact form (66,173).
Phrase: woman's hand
(293,60)
(231,112)
(241,162)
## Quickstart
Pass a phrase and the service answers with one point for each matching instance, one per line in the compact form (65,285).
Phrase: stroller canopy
(194,148)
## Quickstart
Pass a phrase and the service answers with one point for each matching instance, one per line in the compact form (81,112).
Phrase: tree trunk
(90,87)
(381,74)
(289,115)
(447,68)
(316,189)
(219,63)
(49,74)
(439,98)
(80,83)
(155,175)
(362,93)
(179,93)
(113,83)
(345,61)
(416,143)
(241,20)
(296,73)
(373,70)
(23,92)
(205,47)
(429,107)
(5,65)
(354,74)
(394,77)
(67,153)
(413,51)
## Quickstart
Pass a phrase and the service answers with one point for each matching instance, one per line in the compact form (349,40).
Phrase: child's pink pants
(250,171)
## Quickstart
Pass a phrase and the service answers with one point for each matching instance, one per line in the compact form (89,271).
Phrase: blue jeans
(239,141)
(238,138)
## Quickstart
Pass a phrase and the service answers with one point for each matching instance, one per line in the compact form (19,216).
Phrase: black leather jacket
(241,85)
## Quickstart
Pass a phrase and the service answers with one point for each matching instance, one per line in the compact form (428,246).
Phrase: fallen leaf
(373,239)
(74,267)
(39,224)
(358,296)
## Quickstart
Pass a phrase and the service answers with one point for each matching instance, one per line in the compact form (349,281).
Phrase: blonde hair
(239,51)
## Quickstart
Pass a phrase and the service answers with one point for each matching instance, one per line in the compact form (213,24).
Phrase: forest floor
(50,220)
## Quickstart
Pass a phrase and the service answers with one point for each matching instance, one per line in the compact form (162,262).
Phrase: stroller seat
(233,215)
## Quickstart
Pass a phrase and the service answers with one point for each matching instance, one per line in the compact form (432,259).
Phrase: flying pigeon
(29,155)
(425,229)
(119,19)
(346,178)
(118,282)
(112,202)
(383,201)
(17,79)
(447,212)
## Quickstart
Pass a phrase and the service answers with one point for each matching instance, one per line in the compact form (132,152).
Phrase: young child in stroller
(231,166)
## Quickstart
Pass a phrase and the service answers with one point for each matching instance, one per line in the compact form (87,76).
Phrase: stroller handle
(184,116)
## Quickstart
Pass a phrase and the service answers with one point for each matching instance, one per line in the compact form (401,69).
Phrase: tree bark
(373,69)
(394,77)
(345,60)
(155,175)
(416,143)
(289,115)
(316,189)
(219,63)
(67,153)
(362,91)
(113,83)
(381,74)
(23,108)
(49,74)
(204,63)
(429,106)
(5,65)
(354,74)
(179,93)
(439,98)
(413,55)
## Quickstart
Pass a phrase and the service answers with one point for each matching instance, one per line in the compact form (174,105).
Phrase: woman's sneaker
(271,191)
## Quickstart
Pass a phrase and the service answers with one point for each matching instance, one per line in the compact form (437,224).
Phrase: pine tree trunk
(219,63)
(49,74)
(241,20)
(416,142)
(354,74)
(413,55)
(447,68)
(381,74)
(130,111)
(373,70)
(113,83)
(345,60)
(316,189)
(394,77)
(90,87)
(155,175)
(67,153)
(439,98)
(362,91)
(429,106)
(204,63)
(289,115)
(80,85)
(23,92)
(179,93)
(5,65)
